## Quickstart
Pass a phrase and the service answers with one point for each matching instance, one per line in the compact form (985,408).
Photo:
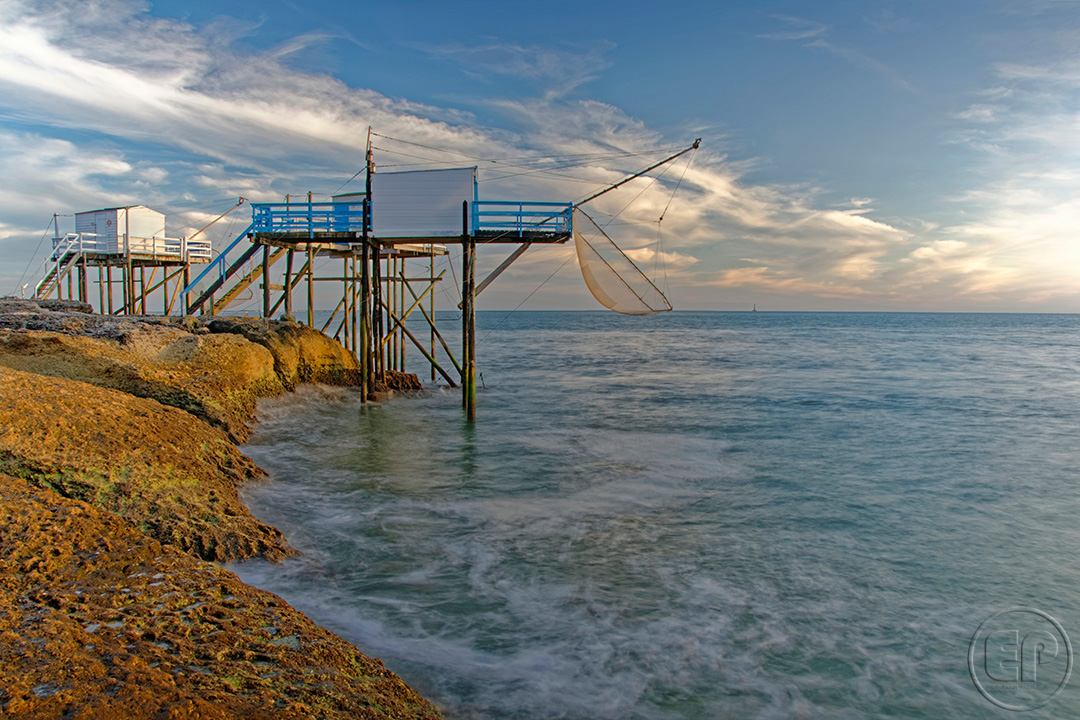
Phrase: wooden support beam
(468,317)
(295,281)
(365,321)
(208,293)
(352,303)
(244,283)
(129,288)
(499,270)
(266,281)
(420,347)
(142,287)
(310,286)
(345,299)
(332,316)
(288,284)
(406,313)
(435,331)
(82,280)
(431,272)
(161,282)
(377,312)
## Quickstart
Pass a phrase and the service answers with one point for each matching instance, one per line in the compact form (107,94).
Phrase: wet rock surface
(118,481)
(401,382)
(98,621)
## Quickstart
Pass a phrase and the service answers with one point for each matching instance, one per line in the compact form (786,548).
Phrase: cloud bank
(106,104)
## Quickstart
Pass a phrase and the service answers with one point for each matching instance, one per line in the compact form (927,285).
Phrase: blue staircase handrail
(218,263)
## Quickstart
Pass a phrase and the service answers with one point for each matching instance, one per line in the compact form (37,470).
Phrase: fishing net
(612,277)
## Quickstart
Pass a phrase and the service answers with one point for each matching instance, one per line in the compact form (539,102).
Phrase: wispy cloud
(184,121)
(798,29)
(861,59)
(557,70)
(815,32)
(886,21)
(1025,203)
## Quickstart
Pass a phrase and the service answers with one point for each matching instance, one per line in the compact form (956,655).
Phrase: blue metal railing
(507,217)
(514,218)
(518,218)
(340,217)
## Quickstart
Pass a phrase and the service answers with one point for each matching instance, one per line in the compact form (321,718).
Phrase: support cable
(507,316)
(19,285)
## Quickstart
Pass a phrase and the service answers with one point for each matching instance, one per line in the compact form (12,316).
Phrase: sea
(702,515)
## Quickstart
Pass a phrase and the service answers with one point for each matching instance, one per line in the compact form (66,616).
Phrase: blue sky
(856,155)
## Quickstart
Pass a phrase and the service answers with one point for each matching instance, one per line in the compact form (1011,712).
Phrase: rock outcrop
(301,354)
(161,470)
(119,480)
(100,622)
(218,378)
(215,370)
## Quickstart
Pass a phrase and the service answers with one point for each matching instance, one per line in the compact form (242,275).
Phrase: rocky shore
(119,479)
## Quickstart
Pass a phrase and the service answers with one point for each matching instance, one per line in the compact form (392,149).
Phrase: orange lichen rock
(162,470)
(98,621)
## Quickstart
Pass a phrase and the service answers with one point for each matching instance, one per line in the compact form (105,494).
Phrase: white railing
(169,247)
(66,252)
(76,243)
(158,246)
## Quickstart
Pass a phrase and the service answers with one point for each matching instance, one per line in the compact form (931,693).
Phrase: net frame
(611,288)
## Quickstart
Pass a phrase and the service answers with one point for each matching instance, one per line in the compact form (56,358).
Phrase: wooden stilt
(266,281)
(401,309)
(101,292)
(352,304)
(129,289)
(392,290)
(187,281)
(108,287)
(366,363)
(142,291)
(431,300)
(377,318)
(310,286)
(470,410)
(288,283)
(345,299)
(468,317)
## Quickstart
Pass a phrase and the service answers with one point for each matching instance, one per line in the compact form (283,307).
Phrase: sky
(915,156)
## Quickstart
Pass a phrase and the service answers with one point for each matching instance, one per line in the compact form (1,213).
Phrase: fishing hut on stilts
(380,247)
(127,248)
